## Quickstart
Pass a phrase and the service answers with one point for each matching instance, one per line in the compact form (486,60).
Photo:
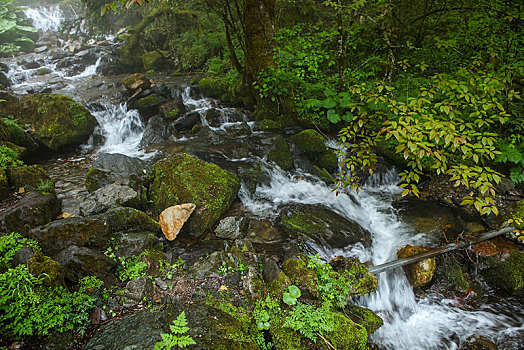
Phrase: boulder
(506,274)
(157,131)
(57,120)
(117,168)
(187,122)
(317,222)
(4,81)
(139,288)
(309,142)
(186,179)
(5,191)
(11,131)
(120,219)
(60,234)
(157,61)
(281,155)
(173,109)
(149,106)
(108,196)
(173,218)
(133,243)
(33,210)
(231,228)
(328,160)
(80,262)
(137,81)
(32,176)
(419,274)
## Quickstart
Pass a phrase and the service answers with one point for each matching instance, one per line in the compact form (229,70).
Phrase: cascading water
(46,18)
(430,323)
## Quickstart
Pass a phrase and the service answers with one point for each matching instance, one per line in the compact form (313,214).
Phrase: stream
(431,321)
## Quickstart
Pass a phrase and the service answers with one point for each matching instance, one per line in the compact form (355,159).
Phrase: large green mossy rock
(507,274)
(11,133)
(281,155)
(57,120)
(309,142)
(157,61)
(347,334)
(32,176)
(186,179)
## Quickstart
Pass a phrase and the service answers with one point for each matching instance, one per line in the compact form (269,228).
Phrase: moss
(328,160)
(269,125)
(365,317)
(302,222)
(507,274)
(154,258)
(186,179)
(19,150)
(43,266)
(11,131)
(58,121)
(362,281)
(284,338)
(323,174)
(453,274)
(28,176)
(309,141)
(281,155)
(149,101)
(300,275)
(222,89)
(173,114)
(347,334)
(279,285)
(91,182)
(5,192)
(156,61)
(43,71)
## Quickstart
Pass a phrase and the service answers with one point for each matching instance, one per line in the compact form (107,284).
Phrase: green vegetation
(8,158)
(176,337)
(15,34)
(29,305)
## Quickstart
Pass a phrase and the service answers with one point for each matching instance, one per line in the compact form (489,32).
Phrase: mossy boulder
(365,317)
(80,262)
(32,210)
(268,125)
(328,160)
(508,274)
(12,132)
(186,179)
(301,276)
(347,334)
(281,155)
(309,141)
(361,281)
(324,225)
(19,150)
(128,219)
(41,265)
(136,81)
(57,120)
(5,191)
(451,272)
(32,176)
(284,338)
(157,61)
(149,105)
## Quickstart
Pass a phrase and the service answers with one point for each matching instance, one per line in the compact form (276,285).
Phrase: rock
(250,176)
(187,122)
(364,317)
(173,218)
(419,274)
(271,271)
(127,219)
(157,61)
(133,243)
(361,280)
(231,228)
(149,106)
(11,131)
(309,142)
(22,256)
(136,81)
(44,266)
(117,168)
(31,176)
(79,262)
(347,334)
(57,120)
(505,186)
(5,191)
(173,109)
(4,82)
(318,222)
(161,284)
(268,125)
(208,267)
(281,155)
(139,288)
(186,179)
(157,131)
(264,232)
(60,234)
(328,160)
(507,274)
(479,342)
(105,197)
(33,210)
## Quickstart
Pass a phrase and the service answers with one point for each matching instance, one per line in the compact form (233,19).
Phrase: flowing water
(411,322)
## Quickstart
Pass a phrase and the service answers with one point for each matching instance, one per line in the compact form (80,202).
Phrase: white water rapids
(410,323)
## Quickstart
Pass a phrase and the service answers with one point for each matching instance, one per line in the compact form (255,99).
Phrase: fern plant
(175,338)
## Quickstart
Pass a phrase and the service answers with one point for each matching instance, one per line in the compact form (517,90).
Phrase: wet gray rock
(173,109)
(133,243)
(208,267)
(120,219)
(505,185)
(105,197)
(250,175)
(32,210)
(322,224)
(271,271)
(139,288)
(231,228)
(117,168)
(157,131)
(79,262)
(22,256)
(161,284)
(187,122)
(4,82)
(60,234)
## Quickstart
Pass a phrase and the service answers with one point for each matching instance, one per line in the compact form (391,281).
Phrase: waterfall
(46,18)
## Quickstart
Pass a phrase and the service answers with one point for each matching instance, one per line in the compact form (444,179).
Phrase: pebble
(160,283)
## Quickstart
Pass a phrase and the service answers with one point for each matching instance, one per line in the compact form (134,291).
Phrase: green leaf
(294,291)
(328,103)
(333,116)
(288,299)
(6,25)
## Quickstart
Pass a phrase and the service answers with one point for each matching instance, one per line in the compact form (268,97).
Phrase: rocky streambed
(124,147)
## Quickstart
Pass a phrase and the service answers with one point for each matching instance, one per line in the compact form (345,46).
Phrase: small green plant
(45,187)
(310,321)
(128,268)
(8,158)
(292,295)
(176,337)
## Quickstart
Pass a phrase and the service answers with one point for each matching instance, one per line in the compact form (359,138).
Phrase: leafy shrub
(8,158)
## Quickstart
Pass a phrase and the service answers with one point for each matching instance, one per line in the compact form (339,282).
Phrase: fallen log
(436,251)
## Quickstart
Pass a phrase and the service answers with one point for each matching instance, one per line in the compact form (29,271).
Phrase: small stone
(160,283)
(419,274)
(139,288)
(229,228)
(173,218)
